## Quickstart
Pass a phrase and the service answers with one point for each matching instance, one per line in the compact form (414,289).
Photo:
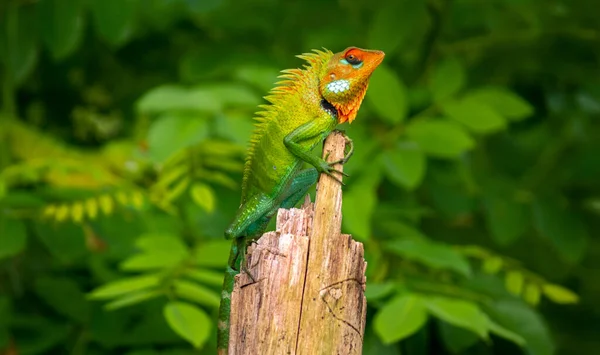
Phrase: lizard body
(302,110)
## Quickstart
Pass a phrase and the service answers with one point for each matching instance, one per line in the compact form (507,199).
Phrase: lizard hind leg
(300,185)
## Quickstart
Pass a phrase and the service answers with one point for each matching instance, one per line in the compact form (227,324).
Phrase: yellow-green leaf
(400,318)
(514,282)
(559,294)
(203,196)
(189,321)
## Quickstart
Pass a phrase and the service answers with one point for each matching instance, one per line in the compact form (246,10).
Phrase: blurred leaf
(177,98)
(405,165)
(400,318)
(64,296)
(532,294)
(394,23)
(170,133)
(447,79)
(387,95)
(114,19)
(507,219)
(235,95)
(562,227)
(188,321)
(505,333)
(213,253)
(504,102)
(492,265)
(460,313)
(196,293)
(124,286)
(65,241)
(61,25)
(432,254)
(559,294)
(159,251)
(476,116)
(457,339)
(379,291)
(130,299)
(19,47)
(519,319)
(263,77)
(441,139)
(13,237)
(208,277)
(203,196)
(514,282)
(359,204)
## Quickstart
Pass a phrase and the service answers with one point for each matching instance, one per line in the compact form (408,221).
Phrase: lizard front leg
(301,141)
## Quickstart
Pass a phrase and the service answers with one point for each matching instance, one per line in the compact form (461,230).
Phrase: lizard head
(345,79)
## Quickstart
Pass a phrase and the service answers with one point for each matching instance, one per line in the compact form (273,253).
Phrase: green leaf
(457,339)
(503,101)
(492,265)
(460,313)
(476,116)
(19,47)
(114,19)
(562,226)
(65,296)
(359,204)
(151,243)
(405,165)
(532,294)
(263,77)
(514,282)
(196,293)
(203,196)
(235,95)
(131,299)
(505,333)
(177,98)
(13,237)
(189,321)
(207,277)
(520,319)
(447,79)
(387,95)
(432,254)
(506,218)
(441,139)
(158,251)
(213,253)
(400,318)
(559,294)
(125,286)
(379,291)
(61,25)
(172,132)
(395,23)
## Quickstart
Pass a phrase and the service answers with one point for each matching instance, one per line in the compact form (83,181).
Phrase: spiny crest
(290,79)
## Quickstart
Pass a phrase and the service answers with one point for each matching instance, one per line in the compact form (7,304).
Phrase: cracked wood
(308,294)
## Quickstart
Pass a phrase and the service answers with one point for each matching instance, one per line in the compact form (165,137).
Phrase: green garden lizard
(303,109)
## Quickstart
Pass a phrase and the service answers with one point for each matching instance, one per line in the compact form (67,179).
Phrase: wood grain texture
(308,293)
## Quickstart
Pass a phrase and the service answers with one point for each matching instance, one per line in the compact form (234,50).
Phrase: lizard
(302,110)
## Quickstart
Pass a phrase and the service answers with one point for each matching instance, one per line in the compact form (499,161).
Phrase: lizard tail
(233,267)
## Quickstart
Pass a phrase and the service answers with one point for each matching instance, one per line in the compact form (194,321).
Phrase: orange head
(345,78)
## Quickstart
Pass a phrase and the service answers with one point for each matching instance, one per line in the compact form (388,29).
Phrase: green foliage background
(474,187)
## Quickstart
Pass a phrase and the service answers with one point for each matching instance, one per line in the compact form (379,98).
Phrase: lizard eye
(352,59)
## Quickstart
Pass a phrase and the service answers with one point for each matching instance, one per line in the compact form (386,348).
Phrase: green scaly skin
(303,109)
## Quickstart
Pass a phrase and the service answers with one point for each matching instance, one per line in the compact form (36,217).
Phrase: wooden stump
(308,297)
